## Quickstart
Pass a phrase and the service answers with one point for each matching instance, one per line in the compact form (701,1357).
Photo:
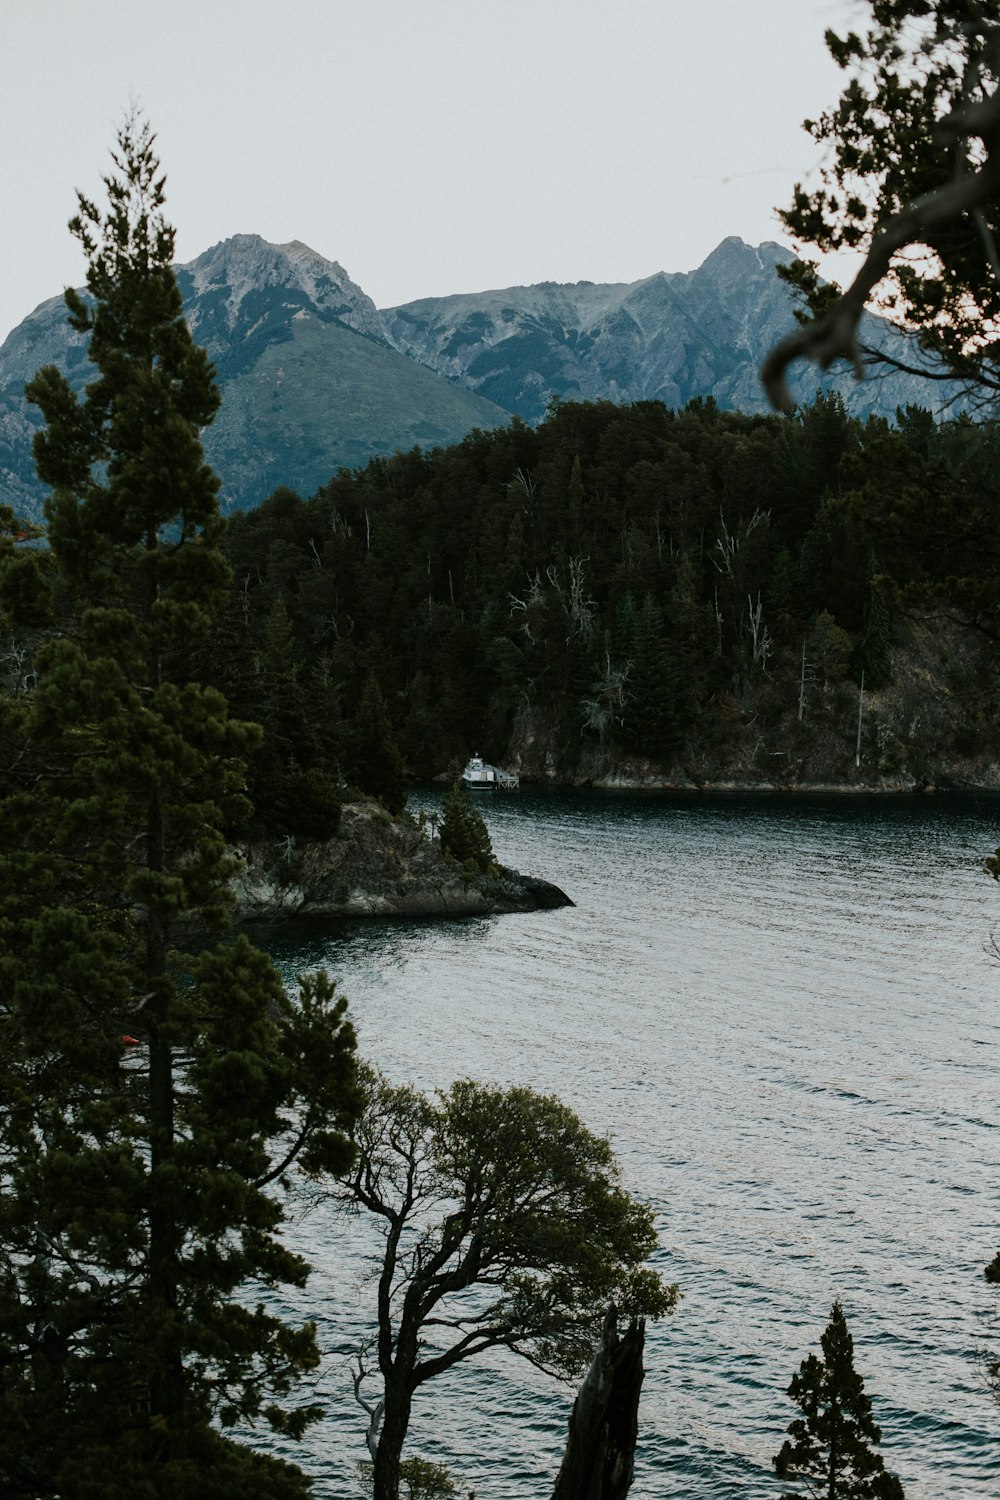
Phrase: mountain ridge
(671,336)
(314,377)
(310,379)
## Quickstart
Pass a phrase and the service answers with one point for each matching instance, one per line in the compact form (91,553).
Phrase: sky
(429,146)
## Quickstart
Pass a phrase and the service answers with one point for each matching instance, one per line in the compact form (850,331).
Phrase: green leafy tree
(913,163)
(424,1480)
(504,1226)
(154,1092)
(463,833)
(831,1447)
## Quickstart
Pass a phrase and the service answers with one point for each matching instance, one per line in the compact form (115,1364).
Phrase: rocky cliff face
(670,337)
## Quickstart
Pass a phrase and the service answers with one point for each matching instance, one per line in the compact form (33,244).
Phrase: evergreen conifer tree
(831,1447)
(650,723)
(464,834)
(376,762)
(291,782)
(152,1097)
(876,642)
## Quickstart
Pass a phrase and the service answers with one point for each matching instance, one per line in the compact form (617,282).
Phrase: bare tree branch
(373,1409)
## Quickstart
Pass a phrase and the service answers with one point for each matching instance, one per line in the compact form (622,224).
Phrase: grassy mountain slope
(325,398)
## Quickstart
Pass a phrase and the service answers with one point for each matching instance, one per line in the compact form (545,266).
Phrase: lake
(784,1013)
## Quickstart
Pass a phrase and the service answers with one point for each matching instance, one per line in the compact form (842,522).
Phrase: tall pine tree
(831,1447)
(376,762)
(155,1091)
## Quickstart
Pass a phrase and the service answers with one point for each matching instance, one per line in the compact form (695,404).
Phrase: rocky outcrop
(375,866)
(229,289)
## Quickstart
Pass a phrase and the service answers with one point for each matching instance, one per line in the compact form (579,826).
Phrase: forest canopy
(636,584)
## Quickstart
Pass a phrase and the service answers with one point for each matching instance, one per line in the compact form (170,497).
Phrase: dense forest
(631,592)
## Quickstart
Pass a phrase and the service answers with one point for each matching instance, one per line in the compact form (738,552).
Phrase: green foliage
(650,722)
(463,832)
(424,1480)
(875,647)
(153,1093)
(915,63)
(830,647)
(505,1191)
(830,1448)
(294,774)
(376,765)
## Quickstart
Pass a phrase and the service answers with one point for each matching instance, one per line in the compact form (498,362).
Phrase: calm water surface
(783,1013)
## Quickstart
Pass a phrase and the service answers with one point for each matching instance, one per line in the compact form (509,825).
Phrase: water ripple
(783,1014)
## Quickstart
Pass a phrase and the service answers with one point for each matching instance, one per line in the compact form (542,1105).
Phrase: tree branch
(374,1410)
(834,335)
(473,1343)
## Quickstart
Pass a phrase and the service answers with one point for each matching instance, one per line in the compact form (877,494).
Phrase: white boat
(480,777)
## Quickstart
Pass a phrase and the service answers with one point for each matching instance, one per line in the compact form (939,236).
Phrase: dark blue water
(784,1014)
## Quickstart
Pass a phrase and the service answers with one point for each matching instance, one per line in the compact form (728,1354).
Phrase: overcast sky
(431,146)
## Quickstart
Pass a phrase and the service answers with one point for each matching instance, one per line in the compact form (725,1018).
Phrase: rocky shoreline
(618,774)
(631,779)
(884,788)
(915,739)
(375,866)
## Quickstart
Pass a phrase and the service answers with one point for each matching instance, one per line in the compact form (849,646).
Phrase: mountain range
(314,377)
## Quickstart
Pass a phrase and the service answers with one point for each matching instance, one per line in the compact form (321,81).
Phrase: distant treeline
(637,579)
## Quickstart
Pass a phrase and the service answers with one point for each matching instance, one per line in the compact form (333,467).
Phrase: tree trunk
(599,1461)
(395,1421)
(167,1373)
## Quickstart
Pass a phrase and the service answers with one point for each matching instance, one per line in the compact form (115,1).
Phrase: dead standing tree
(599,1461)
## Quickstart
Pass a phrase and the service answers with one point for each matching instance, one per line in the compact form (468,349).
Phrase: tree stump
(599,1461)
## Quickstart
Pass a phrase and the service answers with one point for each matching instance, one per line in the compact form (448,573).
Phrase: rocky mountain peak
(226,287)
(734,258)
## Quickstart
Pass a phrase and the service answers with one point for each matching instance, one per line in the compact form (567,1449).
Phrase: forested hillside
(637,594)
